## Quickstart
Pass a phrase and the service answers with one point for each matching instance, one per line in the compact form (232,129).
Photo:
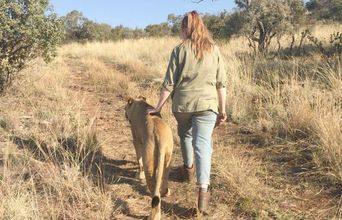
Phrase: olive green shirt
(193,83)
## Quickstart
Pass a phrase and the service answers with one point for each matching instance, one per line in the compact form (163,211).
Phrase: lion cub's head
(133,104)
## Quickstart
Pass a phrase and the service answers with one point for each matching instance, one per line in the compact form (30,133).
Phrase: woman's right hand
(164,94)
(152,111)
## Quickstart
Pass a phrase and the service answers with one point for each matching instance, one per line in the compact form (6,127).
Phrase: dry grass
(45,144)
(144,56)
(291,107)
(293,99)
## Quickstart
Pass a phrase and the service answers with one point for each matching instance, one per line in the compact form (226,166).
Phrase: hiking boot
(187,173)
(203,202)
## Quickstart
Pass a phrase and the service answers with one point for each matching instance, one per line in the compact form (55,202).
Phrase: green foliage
(224,25)
(235,23)
(243,4)
(297,20)
(27,30)
(93,31)
(297,14)
(158,30)
(266,20)
(175,23)
(121,32)
(325,9)
(217,24)
(79,28)
(73,23)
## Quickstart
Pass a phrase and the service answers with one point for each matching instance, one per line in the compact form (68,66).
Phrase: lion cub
(153,142)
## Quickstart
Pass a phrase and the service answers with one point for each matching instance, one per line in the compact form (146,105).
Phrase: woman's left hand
(221,118)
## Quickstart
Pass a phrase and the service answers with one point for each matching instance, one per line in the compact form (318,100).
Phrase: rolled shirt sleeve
(221,76)
(171,73)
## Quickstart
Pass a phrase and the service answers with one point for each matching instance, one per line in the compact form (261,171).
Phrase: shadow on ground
(103,171)
(178,211)
(116,172)
(124,207)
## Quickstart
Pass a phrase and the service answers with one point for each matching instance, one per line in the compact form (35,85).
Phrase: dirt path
(131,198)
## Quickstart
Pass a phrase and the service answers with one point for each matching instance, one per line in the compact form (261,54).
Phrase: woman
(196,80)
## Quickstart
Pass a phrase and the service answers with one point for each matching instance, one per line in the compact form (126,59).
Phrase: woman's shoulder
(181,48)
(184,45)
(216,48)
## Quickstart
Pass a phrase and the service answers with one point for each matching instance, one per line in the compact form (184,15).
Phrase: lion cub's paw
(167,193)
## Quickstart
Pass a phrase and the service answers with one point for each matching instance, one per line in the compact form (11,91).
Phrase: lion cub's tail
(159,178)
(156,197)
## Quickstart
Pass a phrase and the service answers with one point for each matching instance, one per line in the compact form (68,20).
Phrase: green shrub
(27,30)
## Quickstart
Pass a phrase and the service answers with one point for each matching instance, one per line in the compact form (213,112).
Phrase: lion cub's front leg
(138,150)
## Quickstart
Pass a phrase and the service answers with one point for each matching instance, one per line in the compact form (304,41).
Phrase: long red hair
(197,33)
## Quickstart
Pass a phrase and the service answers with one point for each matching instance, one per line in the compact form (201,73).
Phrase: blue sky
(137,13)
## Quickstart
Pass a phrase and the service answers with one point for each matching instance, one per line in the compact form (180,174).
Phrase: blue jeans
(195,131)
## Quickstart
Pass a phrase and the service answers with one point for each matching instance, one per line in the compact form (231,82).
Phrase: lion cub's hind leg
(138,150)
(165,190)
(140,174)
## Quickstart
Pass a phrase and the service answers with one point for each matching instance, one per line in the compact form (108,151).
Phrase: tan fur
(153,142)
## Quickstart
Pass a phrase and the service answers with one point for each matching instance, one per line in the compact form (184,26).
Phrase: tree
(264,21)
(79,28)
(120,32)
(158,30)
(92,31)
(260,21)
(27,30)
(234,24)
(175,23)
(243,4)
(297,19)
(73,24)
(217,25)
(325,9)
(138,33)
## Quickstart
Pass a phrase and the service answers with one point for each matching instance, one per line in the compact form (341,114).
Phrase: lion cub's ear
(129,100)
(142,97)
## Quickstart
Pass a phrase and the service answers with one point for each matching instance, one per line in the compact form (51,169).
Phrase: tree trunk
(292,43)
(262,37)
(279,46)
(304,34)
